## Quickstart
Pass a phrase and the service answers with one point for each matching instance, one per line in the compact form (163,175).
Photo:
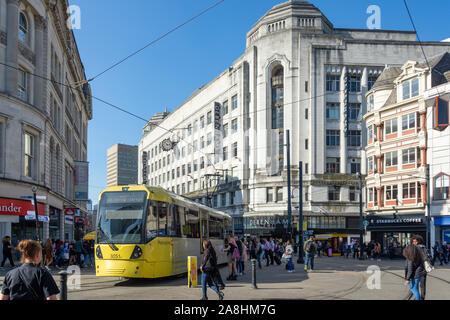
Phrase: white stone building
(43,123)
(292,76)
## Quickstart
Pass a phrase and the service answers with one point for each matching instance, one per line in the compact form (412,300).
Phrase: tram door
(203,228)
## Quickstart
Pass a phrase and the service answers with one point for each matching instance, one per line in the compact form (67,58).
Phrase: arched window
(277,88)
(441,186)
(23,28)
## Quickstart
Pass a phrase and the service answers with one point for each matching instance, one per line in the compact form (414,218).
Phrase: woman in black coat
(414,269)
(209,267)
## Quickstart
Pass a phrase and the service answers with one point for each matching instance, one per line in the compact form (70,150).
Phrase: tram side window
(178,220)
(151,224)
(192,227)
(163,219)
(215,228)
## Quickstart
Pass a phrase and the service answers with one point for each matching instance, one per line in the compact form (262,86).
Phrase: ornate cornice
(27,53)
(16,2)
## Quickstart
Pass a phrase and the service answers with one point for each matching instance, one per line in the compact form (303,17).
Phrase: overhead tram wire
(146,120)
(156,40)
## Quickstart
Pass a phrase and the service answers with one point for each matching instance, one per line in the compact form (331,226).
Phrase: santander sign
(18,207)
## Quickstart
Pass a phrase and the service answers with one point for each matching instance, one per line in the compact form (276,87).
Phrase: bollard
(63,277)
(254,274)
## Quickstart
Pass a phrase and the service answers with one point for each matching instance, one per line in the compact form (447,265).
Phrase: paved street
(334,278)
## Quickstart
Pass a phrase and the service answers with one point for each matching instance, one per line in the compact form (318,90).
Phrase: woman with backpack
(414,269)
(208,267)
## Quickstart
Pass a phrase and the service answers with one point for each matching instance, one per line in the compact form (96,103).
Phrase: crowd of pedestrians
(56,253)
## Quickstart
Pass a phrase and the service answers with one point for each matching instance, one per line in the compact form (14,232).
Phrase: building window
(279,193)
(333,111)
(306,168)
(391,192)
(234,102)
(189,186)
(410,89)
(353,193)
(371,103)
(354,111)
(354,138)
(225,153)
(202,162)
(409,121)
(183,169)
(333,165)
(29,156)
(371,81)
(278,98)
(22,85)
(409,156)
(334,193)
(333,82)
(195,126)
(269,194)
(370,164)
(189,168)
(173,174)
(355,84)
(355,165)
(390,126)
(441,186)
(390,159)
(225,108)
(23,28)
(208,139)
(234,125)
(232,198)
(209,117)
(202,122)
(333,137)
(225,130)
(306,114)
(409,190)
(189,128)
(195,146)
(195,165)
(306,144)
(235,149)
(372,194)
(202,142)
(178,172)
(370,133)
(441,114)
(223,199)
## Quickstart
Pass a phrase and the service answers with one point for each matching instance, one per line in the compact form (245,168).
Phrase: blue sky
(165,74)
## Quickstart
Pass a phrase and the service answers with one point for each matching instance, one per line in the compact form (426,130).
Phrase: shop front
(55,223)
(17,219)
(68,228)
(267,226)
(335,241)
(442,231)
(395,233)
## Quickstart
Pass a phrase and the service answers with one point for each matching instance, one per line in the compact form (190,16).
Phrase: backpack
(428,261)
(259,250)
(309,246)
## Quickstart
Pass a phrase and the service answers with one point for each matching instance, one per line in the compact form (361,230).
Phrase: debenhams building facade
(298,73)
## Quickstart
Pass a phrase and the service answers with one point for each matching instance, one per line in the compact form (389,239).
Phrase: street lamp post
(288,154)
(360,218)
(36,212)
(300,213)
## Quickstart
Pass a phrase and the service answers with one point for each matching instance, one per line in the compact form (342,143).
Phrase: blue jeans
(309,257)
(259,257)
(414,287)
(206,280)
(290,265)
(239,266)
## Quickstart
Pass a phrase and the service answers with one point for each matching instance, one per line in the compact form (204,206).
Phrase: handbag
(428,266)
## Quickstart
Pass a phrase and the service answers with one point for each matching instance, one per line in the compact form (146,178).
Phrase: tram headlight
(98,253)
(137,253)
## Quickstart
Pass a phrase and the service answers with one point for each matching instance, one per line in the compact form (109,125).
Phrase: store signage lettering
(407,220)
(18,207)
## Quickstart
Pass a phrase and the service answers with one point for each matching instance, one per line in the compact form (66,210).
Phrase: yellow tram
(148,232)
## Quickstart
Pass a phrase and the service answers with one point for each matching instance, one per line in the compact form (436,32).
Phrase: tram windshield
(121,217)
